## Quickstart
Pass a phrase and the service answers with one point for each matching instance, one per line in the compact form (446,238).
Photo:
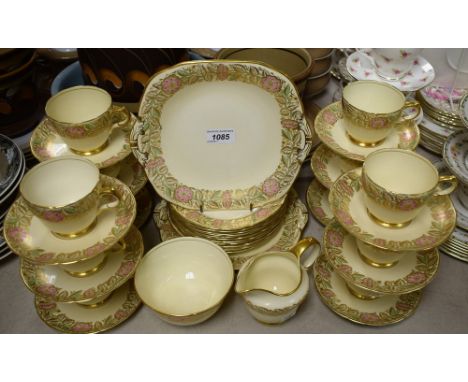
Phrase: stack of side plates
(12,167)
(440,120)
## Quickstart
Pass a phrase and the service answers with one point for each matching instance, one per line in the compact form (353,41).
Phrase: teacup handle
(301,247)
(121,116)
(444,179)
(107,191)
(407,105)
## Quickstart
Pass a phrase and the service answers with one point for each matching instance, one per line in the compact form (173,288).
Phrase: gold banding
(359,295)
(75,235)
(88,272)
(91,152)
(364,144)
(387,225)
(374,263)
(96,304)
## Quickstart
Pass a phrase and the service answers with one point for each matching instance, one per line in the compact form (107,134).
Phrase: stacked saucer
(441,117)
(455,154)
(12,168)
(222,143)
(372,271)
(77,258)
(113,157)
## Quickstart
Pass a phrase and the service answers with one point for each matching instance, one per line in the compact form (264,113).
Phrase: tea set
(227,202)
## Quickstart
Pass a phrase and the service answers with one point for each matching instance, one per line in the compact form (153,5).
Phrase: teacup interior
(374,97)
(78,104)
(401,171)
(276,272)
(59,182)
(184,276)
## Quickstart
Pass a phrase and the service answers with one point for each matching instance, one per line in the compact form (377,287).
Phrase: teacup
(376,257)
(372,109)
(398,183)
(393,63)
(274,284)
(66,195)
(84,117)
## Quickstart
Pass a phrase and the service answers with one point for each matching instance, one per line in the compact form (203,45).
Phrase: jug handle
(301,247)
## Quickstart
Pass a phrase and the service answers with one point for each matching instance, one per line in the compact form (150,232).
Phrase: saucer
(330,127)
(456,155)
(421,74)
(412,272)
(328,166)
(464,109)
(144,202)
(462,211)
(27,236)
(47,144)
(438,98)
(74,318)
(11,165)
(382,311)
(429,229)
(287,236)
(129,171)
(54,283)
(317,201)
(457,245)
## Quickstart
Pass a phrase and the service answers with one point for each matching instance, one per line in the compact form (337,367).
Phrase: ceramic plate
(46,144)
(11,162)
(457,245)
(382,311)
(74,318)
(144,201)
(438,97)
(128,171)
(464,109)
(328,166)
(217,131)
(11,193)
(287,236)
(429,229)
(317,201)
(421,74)
(330,127)
(462,211)
(54,283)
(412,272)
(28,237)
(456,155)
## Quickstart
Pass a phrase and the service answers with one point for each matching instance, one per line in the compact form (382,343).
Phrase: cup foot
(359,295)
(364,144)
(388,225)
(75,235)
(96,304)
(375,264)
(88,272)
(90,152)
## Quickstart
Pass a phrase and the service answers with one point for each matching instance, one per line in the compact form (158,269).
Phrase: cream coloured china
(58,284)
(47,144)
(430,228)
(84,117)
(330,127)
(28,237)
(274,284)
(317,201)
(184,280)
(67,195)
(372,109)
(328,166)
(420,75)
(215,131)
(392,63)
(456,155)
(128,171)
(413,271)
(75,318)
(382,311)
(287,236)
(277,273)
(271,309)
(398,183)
